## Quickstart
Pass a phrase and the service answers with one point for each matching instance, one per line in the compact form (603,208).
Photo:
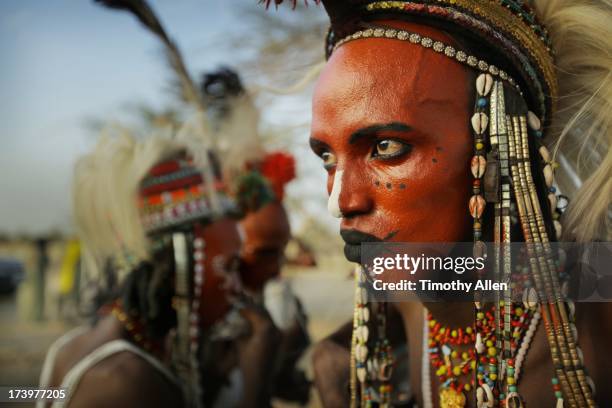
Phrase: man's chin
(352,252)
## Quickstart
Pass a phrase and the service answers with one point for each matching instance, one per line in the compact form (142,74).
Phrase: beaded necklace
(135,329)
(453,367)
(370,372)
(449,365)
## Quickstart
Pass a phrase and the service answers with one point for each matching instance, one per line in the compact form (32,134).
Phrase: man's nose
(350,194)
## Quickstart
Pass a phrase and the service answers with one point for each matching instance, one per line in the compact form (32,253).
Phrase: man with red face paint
(258,179)
(429,118)
(266,232)
(172,334)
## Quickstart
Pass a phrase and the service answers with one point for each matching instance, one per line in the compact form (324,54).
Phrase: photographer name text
(429,285)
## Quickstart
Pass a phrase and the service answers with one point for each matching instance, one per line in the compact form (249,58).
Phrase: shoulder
(125,380)
(64,353)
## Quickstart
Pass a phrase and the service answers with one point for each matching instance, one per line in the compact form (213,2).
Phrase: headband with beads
(437,46)
(174,194)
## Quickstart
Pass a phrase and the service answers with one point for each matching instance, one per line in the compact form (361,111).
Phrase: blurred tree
(285,43)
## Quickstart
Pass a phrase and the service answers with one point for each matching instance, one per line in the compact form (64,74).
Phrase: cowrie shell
(530,298)
(571,309)
(365,314)
(479,344)
(484,396)
(385,371)
(548,175)
(363,296)
(580,355)
(361,276)
(478,166)
(477,205)
(479,122)
(591,384)
(552,199)
(534,121)
(513,400)
(574,331)
(558,228)
(361,352)
(565,288)
(479,397)
(484,82)
(362,334)
(545,154)
(373,367)
(361,374)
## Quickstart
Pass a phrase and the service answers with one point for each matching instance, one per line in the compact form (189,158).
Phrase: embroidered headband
(173,194)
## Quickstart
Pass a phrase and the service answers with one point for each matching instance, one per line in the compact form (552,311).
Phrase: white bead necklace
(522,352)
(425,373)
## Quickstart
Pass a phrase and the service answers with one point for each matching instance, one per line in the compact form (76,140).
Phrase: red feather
(279,169)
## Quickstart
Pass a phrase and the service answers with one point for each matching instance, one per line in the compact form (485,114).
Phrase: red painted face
(390,121)
(266,233)
(222,250)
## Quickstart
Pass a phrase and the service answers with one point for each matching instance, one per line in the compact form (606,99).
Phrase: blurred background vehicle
(11,275)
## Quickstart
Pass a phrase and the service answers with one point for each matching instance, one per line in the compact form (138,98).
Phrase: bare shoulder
(125,380)
(70,353)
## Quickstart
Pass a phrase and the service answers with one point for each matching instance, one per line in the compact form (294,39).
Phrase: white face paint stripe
(333,204)
(241,233)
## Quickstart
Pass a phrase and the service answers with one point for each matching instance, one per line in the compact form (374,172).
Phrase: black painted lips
(352,243)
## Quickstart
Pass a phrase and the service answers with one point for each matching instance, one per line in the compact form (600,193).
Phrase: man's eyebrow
(316,144)
(371,130)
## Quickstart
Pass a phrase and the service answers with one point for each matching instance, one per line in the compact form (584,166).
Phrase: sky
(65,61)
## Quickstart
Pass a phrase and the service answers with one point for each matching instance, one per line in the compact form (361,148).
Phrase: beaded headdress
(174,206)
(173,195)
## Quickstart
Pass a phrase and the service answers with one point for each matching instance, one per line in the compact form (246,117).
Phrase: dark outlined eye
(390,148)
(329,159)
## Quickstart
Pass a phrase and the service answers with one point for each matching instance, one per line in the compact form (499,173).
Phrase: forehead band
(438,46)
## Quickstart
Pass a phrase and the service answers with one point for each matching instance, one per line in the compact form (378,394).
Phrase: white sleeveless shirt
(72,378)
